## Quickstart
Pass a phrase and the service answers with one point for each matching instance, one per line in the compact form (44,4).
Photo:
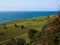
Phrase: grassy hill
(50,33)
(11,30)
(44,30)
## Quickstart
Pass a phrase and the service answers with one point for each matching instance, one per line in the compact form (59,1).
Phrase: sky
(29,5)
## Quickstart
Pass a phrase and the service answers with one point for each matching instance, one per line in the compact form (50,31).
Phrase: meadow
(13,29)
(31,31)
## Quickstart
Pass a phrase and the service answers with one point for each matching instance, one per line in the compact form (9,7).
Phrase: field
(11,30)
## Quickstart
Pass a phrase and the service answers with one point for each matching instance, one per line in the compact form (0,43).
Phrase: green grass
(12,32)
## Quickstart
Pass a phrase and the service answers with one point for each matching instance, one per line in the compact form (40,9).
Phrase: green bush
(37,36)
(2,33)
(15,25)
(56,40)
(31,33)
(20,41)
(5,27)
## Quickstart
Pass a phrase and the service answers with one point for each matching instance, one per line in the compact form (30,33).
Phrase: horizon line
(26,10)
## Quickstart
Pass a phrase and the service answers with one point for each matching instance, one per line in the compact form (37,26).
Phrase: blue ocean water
(9,16)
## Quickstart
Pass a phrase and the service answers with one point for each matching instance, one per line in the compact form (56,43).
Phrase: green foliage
(20,41)
(15,25)
(5,27)
(2,33)
(32,33)
(13,29)
(22,27)
(56,39)
(37,36)
(4,24)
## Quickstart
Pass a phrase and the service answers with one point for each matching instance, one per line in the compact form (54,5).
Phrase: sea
(8,16)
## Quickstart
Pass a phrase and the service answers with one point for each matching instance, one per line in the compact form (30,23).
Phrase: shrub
(5,27)
(20,41)
(31,33)
(4,24)
(56,41)
(48,17)
(15,25)
(22,27)
(34,20)
(1,33)
(13,40)
(37,36)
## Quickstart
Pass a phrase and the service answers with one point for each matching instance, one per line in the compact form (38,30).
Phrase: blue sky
(29,5)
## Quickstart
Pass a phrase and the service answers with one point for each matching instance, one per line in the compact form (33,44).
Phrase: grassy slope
(52,36)
(12,32)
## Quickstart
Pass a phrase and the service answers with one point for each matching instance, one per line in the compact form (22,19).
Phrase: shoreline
(22,18)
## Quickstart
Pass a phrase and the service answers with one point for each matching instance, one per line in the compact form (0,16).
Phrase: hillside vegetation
(19,28)
(50,33)
(44,30)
